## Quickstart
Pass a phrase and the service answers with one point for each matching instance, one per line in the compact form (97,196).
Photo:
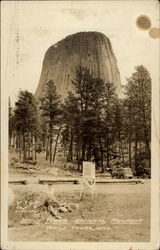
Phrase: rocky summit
(89,49)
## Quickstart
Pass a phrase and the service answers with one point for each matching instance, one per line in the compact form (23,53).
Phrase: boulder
(69,208)
(52,211)
(74,205)
(63,209)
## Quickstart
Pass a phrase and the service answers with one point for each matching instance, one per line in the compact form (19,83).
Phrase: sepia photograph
(80,125)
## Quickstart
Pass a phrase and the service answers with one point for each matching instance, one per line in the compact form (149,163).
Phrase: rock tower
(89,49)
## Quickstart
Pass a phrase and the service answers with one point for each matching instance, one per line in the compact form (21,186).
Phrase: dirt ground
(118,212)
(123,212)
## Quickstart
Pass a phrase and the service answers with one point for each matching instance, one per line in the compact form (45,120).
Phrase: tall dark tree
(50,107)
(25,122)
(89,93)
(71,121)
(128,126)
(109,120)
(138,102)
(90,113)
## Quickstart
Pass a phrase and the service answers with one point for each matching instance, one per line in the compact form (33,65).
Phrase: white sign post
(88,181)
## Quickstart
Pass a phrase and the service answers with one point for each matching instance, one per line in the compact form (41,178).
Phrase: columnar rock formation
(89,49)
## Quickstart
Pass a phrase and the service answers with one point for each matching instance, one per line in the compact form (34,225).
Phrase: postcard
(80,125)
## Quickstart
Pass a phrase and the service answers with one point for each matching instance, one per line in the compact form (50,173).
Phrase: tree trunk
(130,157)
(135,152)
(129,150)
(19,146)
(47,151)
(107,146)
(148,152)
(29,145)
(83,149)
(89,153)
(101,151)
(17,143)
(122,152)
(70,152)
(13,140)
(32,145)
(43,141)
(35,149)
(71,145)
(10,139)
(51,141)
(56,143)
(24,148)
(78,155)
(119,147)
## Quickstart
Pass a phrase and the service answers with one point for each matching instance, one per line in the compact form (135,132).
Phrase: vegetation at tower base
(91,124)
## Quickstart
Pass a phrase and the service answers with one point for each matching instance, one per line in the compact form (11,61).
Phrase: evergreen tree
(50,106)
(138,102)
(109,120)
(25,123)
(71,121)
(89,93)
(89,114)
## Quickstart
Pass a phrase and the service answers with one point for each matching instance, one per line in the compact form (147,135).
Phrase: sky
(29,28)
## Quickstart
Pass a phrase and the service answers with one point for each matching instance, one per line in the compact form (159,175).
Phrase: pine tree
(89,94)
(50,106)
(89,114)
(108,121)
(138,102)
(25,123)
(71,121)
